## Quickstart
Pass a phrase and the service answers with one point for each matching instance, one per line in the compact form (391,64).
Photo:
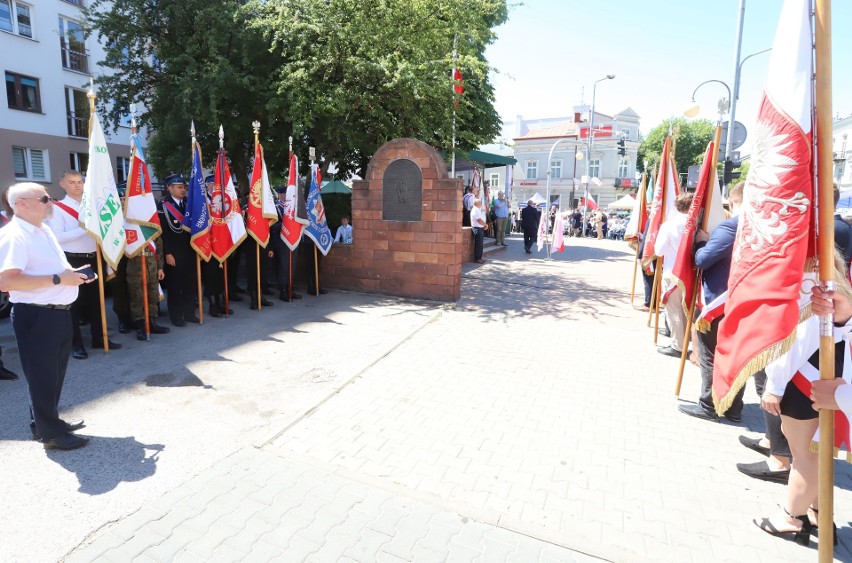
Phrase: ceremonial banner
(542,229)
(317,228)
(197,215)
(683,272)
(667,188)
(227,228)
(141,222)
(639,215)
(293,218)
(558,244)
(588,203)
(771,246)
(100,207)
(261,206)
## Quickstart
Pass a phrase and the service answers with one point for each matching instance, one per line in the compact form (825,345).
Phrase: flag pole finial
(133,119)
(91,93)
(221,137)
(192,129)
(291,144)
(256,126)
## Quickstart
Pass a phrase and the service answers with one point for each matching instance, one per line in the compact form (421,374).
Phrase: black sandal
(801,537)
(815,527)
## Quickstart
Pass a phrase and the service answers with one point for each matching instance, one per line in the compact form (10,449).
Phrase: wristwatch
(56,279)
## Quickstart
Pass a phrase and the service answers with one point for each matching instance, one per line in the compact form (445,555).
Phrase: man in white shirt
(344,232)
(80,249)
(666,246)
(477,221)
(42,286)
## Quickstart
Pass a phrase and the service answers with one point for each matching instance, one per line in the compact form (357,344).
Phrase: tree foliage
(345,76)
(691,137)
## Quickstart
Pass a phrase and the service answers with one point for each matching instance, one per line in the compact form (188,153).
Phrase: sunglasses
(43,199)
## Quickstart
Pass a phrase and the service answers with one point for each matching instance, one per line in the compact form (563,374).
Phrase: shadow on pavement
(129,461)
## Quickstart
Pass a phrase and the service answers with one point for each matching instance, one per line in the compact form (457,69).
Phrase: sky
(549,51)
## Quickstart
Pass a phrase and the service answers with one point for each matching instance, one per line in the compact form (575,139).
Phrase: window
(16,17)
(122,168)
(30,164)
(75,2)
(595,168)
(555,168)
(77,109)
(22,92)
(72,43)
(79,161)
(532,169)
(494,180)
(625,134)
(622,168)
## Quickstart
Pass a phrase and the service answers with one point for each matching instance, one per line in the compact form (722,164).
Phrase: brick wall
(412,259)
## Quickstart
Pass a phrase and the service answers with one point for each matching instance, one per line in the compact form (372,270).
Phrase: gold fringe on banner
(814,447)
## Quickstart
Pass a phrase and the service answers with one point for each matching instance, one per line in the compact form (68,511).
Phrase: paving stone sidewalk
(532,421)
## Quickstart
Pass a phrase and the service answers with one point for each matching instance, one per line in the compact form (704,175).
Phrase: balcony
(78,3)
(74,59)
(78,125)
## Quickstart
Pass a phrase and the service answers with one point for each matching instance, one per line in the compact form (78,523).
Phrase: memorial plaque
(402,191)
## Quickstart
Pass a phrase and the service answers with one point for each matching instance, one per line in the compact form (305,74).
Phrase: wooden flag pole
(316,269)
(145,295)
(658,300)
(635,267)
(639,228)
(91,97)
(198,282)
(825,223)
(655,287)
(705,221)
(259,294)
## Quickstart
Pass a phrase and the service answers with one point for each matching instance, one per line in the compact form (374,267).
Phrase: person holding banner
(153,275)
(179,256)
(666,246)
(80,250)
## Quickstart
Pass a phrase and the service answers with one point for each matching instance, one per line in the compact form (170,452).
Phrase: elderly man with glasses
(42,287)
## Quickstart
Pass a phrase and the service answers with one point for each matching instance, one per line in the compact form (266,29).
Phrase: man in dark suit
(842,231)
(180,259)
(529,223)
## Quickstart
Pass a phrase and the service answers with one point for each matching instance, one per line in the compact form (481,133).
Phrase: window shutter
(37,159)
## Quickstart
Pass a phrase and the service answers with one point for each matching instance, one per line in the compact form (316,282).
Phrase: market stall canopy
(335,187)
(625,202)
(466,159)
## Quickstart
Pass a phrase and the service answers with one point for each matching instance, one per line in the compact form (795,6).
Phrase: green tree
(344,76)
(691,137)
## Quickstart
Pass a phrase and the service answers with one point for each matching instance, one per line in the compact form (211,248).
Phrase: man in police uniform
(179,256)
(43,286)
(79,249)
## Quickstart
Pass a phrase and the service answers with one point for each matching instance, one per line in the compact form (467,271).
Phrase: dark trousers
(286,261)
(251,250)
(529,238)
(44,346)
(706,353)
(648,283)
(181,289)
(478,238)
(777,441)
(120,293)
(88,303)
(312,262)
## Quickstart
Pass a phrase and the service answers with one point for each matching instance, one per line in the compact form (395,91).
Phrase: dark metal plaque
(402,191)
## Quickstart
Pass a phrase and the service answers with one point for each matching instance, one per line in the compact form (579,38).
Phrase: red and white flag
(772,242)
(261,206)
(542,230)
(558,244)
(227,229)
(588,203)
(666,189)
(293,220)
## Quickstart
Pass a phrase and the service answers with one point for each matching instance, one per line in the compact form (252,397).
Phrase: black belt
(81,254)
(44,306)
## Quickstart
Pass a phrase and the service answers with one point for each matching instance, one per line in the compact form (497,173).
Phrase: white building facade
(610,174)
(46,61)
(842,143)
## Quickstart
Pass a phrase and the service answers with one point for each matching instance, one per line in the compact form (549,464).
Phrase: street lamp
(589,146)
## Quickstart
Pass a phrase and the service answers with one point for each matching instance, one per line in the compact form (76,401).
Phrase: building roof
(627,112)
(562,130)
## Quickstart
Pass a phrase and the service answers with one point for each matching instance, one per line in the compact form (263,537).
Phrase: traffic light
(730,175)
(622,149)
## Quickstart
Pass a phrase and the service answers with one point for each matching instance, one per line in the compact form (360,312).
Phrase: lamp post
(589,147)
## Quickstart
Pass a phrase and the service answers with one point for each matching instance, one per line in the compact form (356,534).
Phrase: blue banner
(317,228)
(197,213)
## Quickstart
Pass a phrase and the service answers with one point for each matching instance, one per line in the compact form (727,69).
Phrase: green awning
(335,187)
(465,160)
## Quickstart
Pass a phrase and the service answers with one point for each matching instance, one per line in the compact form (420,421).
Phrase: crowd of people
(788,403)
(48,264)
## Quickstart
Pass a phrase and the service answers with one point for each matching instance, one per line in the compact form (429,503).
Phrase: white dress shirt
(344,234)
(71,236)
(477,215)
(36,252)
(668,242)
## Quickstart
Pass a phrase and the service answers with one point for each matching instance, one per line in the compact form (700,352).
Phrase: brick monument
(407,233)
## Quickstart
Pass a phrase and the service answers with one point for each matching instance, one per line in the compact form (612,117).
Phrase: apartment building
(47,61)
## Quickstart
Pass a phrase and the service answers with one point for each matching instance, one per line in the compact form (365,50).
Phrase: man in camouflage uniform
(154,274)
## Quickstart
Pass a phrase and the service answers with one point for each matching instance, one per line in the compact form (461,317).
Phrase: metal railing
(74,59)
(78,3)
(78,126)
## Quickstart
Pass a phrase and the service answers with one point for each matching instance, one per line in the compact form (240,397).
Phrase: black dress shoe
(735,418)
(665,332)
(284,296)
(178,322)
(669,351)
(266,302)
(141,335)
(193,319)
(65,442)
(238,289)
(697,412)
(123,328)
(99,344)
(313,291)
(6,375)
(70,426)
(80,353)
(157,329)
(268,291)
(754,444)
(760,470)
